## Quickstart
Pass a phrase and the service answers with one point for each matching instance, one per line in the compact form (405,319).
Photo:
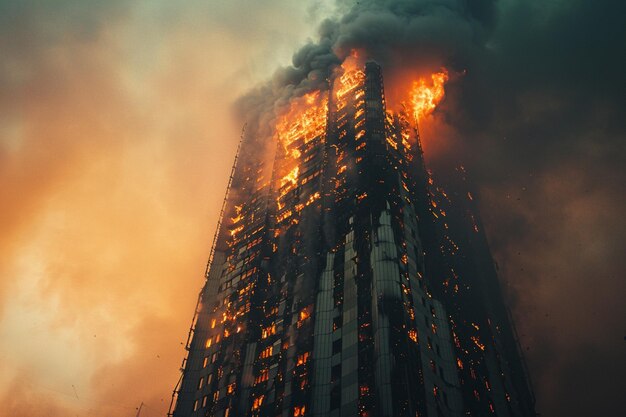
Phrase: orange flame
(305,120)
(291,178)
(348,81)
(425,95)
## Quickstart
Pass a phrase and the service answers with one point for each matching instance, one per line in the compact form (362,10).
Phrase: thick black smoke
(538,120)
(397,34)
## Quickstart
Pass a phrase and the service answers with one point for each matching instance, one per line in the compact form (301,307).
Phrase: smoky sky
(115,146)
(116,142)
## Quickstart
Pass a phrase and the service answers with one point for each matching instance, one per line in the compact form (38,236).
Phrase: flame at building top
(427,94)
(352,77)
(305,117)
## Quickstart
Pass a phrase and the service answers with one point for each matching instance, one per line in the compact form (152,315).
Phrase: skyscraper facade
(346,282)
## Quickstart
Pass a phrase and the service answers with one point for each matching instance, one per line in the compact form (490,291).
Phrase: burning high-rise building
(345,281)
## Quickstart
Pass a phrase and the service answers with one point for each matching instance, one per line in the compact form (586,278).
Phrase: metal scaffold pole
(207,269)
(224,203)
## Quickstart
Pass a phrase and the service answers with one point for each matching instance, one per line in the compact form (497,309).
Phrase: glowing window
(266,353)
(258,401)
(302,359)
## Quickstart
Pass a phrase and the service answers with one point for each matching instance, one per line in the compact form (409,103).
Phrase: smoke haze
(118,125)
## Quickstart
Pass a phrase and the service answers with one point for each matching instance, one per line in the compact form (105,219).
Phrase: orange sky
(116,142)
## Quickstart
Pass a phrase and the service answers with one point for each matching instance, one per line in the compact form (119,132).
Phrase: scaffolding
(209,263)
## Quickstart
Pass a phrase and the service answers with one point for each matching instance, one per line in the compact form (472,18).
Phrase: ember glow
(427,94)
